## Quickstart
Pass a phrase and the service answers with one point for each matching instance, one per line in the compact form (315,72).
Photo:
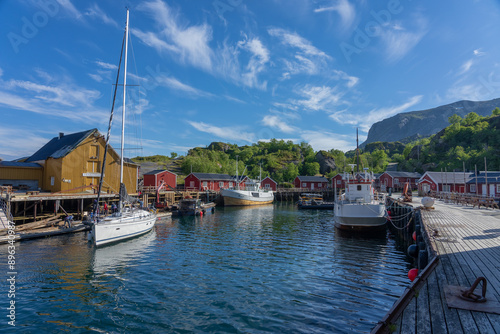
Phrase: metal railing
(5,214)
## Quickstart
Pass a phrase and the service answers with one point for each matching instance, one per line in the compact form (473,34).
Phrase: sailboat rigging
(129,221)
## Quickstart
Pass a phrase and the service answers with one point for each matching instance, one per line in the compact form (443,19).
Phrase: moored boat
(129,221)
(193,207)
(313,201)
(360,208)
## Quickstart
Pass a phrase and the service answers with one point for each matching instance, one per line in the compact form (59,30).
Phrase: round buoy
(414,236)
(413,250)
(412,274)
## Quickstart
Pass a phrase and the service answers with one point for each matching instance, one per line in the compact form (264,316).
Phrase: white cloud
(95,77)
(274,121)
(478,52)
(70,8)
(227,133)
(1,72)
(344,8)
(256,64)
(324,140)
(175,84)
(22,142)
(318,98)
(106,66)
(399,41)
(375,115)
(189,43)
(465,67)
(307,58)
(95,12)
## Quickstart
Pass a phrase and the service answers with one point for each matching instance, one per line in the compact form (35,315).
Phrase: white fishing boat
(129,220)
(253,194)
(360,207)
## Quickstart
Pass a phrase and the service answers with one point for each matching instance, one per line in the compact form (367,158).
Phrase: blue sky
(238,71)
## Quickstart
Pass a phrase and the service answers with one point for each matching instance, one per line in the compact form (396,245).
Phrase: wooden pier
(466,244)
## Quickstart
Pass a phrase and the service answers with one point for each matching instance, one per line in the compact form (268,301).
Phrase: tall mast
(124,98)
(357,141)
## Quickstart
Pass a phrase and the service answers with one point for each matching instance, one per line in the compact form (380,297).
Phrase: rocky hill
(408,126)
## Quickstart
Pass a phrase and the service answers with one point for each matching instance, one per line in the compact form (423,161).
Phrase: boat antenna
(96,205)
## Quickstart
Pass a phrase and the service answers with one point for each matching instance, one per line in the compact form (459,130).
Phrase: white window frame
(221,184)
(304,185)
(473,188)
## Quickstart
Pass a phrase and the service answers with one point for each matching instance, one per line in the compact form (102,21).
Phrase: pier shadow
(488,234)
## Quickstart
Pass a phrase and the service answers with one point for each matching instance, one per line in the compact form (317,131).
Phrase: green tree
(496,111)
(454,119)
(310,168)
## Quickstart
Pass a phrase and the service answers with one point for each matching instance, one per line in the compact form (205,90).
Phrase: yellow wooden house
(73,162)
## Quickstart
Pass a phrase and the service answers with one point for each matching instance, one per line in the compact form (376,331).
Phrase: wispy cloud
(190,44)
(70,8)
(324,140)
(105,65)
(274,121)
(227,133)
(259,58)
(317,97)
(22,142)
(478,52)
(175,84)
(399,41)
(345,10)
(306,59)
(375,115)
(465,67)
(96,12)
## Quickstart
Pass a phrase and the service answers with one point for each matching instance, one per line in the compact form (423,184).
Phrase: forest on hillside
(464,143)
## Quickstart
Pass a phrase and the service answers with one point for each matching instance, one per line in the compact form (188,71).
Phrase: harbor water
(270,269)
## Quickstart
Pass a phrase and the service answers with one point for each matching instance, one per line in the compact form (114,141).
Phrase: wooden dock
(466,242)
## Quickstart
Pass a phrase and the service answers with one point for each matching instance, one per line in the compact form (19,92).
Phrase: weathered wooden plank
(438,316)
(408,319)
(423,312)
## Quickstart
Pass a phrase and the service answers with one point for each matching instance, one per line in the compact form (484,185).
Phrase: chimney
(61,134)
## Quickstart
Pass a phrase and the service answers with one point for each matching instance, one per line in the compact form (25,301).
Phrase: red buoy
(414,236)
(412,274)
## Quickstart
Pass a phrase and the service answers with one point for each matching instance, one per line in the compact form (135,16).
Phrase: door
(483,190)
(492,190)
(312,186)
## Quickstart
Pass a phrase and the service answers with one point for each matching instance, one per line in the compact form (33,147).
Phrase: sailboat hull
(130,225)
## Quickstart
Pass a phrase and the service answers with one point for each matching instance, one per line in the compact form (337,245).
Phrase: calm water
(247,270)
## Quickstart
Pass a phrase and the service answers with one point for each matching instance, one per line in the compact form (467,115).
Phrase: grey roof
(213,177)
(411,175)
(19,164)
(156,171)
(312,178)
(59,147)
(482,179)
(448,177)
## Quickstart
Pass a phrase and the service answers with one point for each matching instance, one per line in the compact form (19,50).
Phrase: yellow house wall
(72,167)
(21,173)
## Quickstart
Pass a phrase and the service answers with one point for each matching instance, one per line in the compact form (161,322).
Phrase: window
(204,183)
(304,185)
(52,180)
(498,188)
(339,181)
(221,184)
(446,187)
(230,184)
(396,181)
(267,186)
(472,188)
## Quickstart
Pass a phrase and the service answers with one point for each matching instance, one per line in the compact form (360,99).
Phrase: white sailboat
(253,194)
(129,221)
